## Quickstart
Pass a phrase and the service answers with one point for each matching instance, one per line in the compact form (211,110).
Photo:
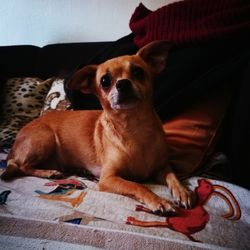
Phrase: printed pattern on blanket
(3,156)
(220,217)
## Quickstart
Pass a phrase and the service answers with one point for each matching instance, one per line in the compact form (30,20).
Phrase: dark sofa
(23,60)
(193,71)
(197,79)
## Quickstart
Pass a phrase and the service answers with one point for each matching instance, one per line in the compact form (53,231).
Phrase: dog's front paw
(183,196)
(162,207)
(54,174)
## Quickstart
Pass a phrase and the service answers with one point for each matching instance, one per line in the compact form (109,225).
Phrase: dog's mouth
(124,101)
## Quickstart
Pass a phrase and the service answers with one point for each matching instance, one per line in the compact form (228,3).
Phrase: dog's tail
(11,171)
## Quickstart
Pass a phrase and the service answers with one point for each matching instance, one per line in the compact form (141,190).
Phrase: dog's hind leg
(54,174)
(13,170)
(32,154)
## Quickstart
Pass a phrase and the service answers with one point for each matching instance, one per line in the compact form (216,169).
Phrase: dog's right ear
(83,79)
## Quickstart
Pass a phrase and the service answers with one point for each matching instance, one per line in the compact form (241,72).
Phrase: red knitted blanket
(191,21)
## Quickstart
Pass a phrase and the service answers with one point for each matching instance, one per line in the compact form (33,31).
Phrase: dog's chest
(143,157)
(136,152)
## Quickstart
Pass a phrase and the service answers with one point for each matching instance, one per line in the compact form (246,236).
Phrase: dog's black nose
(123,85)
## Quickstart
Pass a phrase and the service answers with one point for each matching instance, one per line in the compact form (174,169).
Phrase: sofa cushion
(9,128)
(23,101)
(56,98)
(191,135)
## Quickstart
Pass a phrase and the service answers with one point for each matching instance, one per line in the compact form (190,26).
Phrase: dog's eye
(137,72)
(106,81)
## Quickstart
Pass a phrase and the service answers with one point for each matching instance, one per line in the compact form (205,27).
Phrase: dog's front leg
(118,185)
(181,194)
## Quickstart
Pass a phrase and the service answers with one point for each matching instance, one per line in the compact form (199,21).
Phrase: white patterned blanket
(47,209)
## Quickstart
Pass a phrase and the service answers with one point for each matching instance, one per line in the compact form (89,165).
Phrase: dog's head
(124,82)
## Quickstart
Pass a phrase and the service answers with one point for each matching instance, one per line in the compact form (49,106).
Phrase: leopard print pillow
(56,98)
(23,101)
(9,128)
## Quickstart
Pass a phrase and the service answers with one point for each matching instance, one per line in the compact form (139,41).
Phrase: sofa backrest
(28,60)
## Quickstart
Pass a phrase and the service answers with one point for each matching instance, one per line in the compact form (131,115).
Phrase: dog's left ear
(155,54)
(83,79)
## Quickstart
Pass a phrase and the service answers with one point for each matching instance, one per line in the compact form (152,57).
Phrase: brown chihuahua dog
(121,144)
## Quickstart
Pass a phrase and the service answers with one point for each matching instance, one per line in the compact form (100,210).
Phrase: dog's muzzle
(124,96)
